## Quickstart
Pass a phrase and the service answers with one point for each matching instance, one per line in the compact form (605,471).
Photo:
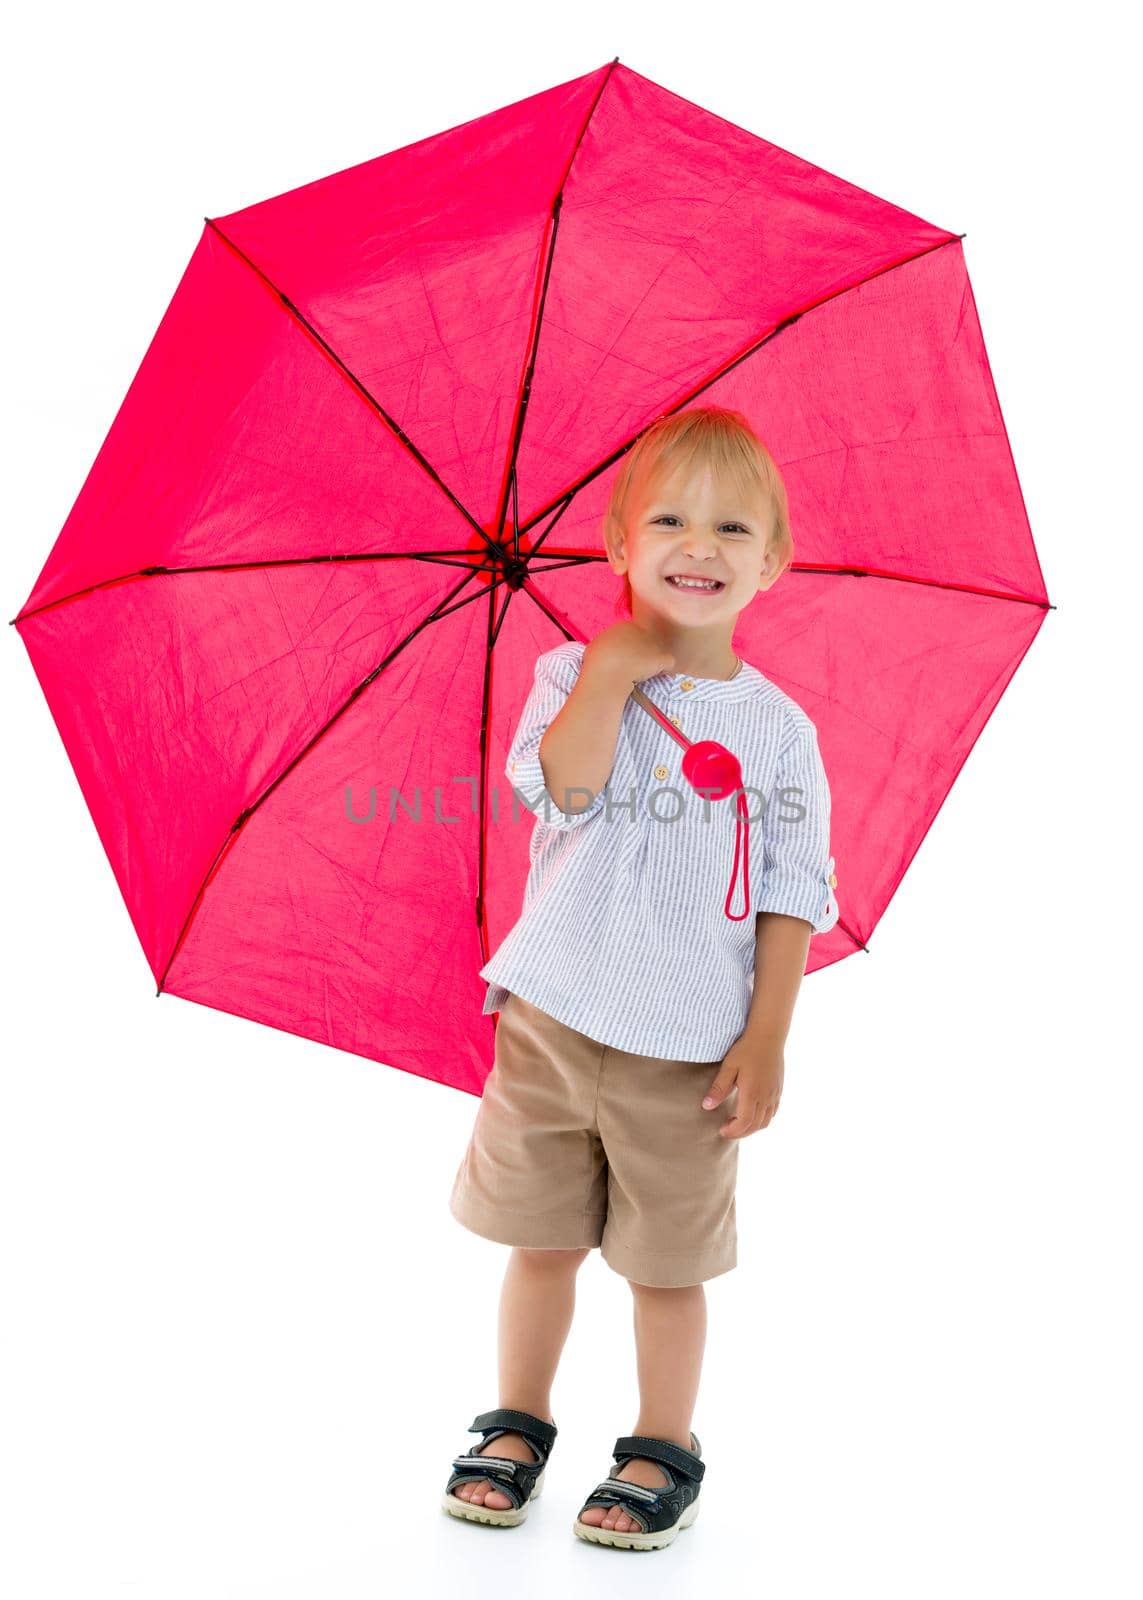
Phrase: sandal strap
(500,1471)
(618,1492)
(664,1451)
(540,1434)
(499,1466)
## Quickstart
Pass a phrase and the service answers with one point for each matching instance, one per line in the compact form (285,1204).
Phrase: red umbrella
(355,489)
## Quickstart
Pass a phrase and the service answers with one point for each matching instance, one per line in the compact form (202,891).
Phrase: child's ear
(613,544)
(772,569)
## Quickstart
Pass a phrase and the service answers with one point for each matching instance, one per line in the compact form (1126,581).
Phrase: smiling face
(687,523)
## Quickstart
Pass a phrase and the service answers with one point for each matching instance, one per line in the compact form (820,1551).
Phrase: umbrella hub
(514,569)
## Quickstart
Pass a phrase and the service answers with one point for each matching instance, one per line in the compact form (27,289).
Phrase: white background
(242,1335)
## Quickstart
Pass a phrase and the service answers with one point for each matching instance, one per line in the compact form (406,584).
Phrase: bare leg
(537,1302)
(670,1337)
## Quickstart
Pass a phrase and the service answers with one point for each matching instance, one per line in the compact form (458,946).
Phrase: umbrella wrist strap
(741,847)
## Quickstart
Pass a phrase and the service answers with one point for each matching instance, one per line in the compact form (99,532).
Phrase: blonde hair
(713,436)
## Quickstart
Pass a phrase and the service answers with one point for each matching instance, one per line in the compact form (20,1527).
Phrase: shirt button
(660,772)
(833,880)
(676,721)
(687,683)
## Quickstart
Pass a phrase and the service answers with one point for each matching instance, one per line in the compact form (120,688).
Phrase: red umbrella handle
(715,772)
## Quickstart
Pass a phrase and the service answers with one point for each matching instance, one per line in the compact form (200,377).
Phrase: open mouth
(694,586)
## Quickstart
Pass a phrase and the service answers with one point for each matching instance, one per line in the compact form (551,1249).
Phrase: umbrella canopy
(356,486)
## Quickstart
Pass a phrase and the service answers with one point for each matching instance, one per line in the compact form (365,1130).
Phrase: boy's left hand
(757,1066)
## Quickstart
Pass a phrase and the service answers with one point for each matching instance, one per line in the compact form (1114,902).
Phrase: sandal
(521,1481)
(659,1512)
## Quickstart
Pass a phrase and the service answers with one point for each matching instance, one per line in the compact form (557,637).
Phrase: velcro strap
(630,1487)
(611,1493)
(504,1485)
(671,1455)
(498,1466)
(521,1422)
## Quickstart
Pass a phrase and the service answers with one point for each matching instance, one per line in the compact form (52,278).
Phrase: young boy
(635,1013)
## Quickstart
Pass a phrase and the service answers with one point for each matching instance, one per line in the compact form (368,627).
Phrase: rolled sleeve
(555,677)
(797,866)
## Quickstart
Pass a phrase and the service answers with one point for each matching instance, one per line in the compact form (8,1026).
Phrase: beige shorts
(577,1143)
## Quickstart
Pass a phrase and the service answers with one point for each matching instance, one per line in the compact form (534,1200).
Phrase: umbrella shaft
(664,722)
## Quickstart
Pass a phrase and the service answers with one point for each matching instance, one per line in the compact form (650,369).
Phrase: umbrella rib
(826,570)
(525,389)
(486,701)
(440,610)
(482,799)
(721,372)
(848,931)
(389,421)
(534,597)
(452,558)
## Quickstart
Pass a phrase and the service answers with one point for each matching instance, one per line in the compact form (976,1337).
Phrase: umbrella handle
(715,772)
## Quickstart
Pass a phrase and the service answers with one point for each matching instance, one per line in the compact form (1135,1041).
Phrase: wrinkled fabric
(290,585)
(623,934)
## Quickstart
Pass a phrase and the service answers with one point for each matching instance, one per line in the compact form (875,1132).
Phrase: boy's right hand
(625,654)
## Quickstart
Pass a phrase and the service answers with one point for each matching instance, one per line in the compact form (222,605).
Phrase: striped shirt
(623,933)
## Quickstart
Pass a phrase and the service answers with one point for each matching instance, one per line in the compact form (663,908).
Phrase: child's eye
(667,517)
